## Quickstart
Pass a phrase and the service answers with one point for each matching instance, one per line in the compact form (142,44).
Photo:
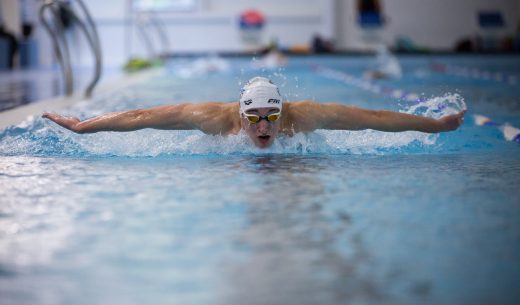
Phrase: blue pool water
(333,217)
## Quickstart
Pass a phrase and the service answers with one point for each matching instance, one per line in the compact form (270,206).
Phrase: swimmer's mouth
(264,138)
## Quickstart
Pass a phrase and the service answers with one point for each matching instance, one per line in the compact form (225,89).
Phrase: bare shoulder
(215,117)
(208,107)
(299,105)
(301,116)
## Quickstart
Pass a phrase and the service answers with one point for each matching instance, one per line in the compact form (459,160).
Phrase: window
(164,5)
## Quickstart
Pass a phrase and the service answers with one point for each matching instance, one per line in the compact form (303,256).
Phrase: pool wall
(17,115)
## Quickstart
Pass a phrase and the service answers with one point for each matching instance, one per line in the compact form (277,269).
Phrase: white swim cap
(260,92)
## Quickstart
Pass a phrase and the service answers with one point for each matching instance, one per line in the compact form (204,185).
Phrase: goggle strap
(266,117)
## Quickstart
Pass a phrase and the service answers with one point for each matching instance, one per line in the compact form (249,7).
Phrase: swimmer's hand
(450,122)
(210,118)
(71,123)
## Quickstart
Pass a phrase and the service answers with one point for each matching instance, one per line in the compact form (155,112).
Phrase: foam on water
(439,106)
(39,137)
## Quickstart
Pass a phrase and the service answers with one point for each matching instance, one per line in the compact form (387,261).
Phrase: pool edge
(19,114)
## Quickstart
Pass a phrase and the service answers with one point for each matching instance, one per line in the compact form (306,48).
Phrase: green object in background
(406,44)
(137,64)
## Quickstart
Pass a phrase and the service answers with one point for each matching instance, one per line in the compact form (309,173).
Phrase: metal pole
(93,39)
(56,36)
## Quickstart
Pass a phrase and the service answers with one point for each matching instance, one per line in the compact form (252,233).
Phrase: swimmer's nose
(263,126)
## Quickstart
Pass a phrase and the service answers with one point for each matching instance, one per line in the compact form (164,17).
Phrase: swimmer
(273,59)
(386,65)
(261,114)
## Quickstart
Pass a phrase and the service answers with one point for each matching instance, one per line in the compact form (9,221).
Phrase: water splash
(437,107)
(38,137)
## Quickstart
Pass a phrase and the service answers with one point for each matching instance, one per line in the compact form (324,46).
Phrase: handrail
(159,27)
(144,36)
(58,34)
(94,44)
(145,19)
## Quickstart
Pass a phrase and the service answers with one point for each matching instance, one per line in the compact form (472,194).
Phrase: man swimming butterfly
(262,114)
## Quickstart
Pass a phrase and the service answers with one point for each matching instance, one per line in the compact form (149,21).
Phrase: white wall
(213,25)
(435,24)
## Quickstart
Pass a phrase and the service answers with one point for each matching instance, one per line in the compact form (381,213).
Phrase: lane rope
(510,133)
(368,85)
(474,73)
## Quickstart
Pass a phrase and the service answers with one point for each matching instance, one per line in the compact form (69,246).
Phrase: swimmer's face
(264,132)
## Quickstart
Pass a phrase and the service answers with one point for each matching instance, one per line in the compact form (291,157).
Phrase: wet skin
(219,118)
(264,132)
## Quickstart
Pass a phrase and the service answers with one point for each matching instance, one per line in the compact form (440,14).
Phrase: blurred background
(145,28)
(331,217)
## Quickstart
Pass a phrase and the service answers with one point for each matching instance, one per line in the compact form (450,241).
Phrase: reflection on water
(294,246)
(259,229)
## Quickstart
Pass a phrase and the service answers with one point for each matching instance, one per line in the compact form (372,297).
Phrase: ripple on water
(38,137)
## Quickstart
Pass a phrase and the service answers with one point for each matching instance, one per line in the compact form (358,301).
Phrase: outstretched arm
(206,117)
(347,117)
(337,116)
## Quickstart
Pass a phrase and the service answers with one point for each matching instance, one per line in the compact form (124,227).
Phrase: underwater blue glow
(332,217)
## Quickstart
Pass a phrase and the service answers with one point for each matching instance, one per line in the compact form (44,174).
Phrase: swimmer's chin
(263,141)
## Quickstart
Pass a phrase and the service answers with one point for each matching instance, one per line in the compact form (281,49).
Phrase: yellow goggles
(254,118)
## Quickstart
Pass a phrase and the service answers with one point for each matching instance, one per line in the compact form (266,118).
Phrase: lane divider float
(510,133)
(368,85)
(474,73)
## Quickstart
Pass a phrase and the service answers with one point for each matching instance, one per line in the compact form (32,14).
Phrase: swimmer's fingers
(67,122)
(51,116)
(452,122)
